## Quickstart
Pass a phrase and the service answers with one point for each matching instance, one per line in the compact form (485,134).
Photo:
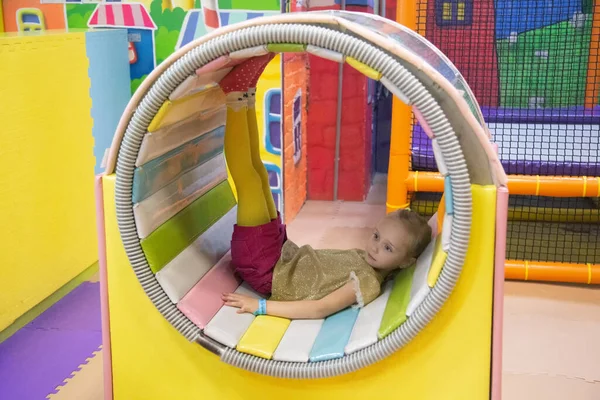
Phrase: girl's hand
(245,304)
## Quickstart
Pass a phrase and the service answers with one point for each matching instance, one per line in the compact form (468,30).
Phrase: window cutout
(453,12)
(274,173)
(30,19)
(272,110)
(297,126)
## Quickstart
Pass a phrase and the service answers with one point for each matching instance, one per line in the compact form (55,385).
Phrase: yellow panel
(453,350)
(363,68)
(263,336)
(439,258)
(269,80)
(47,223)
(176,111)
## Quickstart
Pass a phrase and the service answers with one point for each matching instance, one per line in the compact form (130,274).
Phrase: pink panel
(214,65)
(218,64)
(501,221)
(423,123)
(106,350)
(203,301)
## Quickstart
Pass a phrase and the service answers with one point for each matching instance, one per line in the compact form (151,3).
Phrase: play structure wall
(47,199)
(355,140)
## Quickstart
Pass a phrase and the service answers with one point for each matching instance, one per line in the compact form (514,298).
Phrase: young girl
(304,283)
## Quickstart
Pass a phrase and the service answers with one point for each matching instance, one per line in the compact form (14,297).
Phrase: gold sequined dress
(303,273)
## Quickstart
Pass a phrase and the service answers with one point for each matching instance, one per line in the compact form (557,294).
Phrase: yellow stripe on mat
(363,68)
(263,336)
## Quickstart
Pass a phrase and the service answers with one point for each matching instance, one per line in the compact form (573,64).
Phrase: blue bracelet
(262,307)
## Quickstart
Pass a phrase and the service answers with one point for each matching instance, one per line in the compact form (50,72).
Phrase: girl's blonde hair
(418,226)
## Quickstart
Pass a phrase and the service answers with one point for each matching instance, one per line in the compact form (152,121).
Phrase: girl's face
(389,246)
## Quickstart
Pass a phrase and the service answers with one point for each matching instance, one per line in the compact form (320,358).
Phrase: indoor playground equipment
(533,68)
(166,212)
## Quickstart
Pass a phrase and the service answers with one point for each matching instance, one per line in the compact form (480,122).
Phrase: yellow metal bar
(397,196)
(532,185)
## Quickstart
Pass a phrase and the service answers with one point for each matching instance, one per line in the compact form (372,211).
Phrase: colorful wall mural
(528,53)
(155,29)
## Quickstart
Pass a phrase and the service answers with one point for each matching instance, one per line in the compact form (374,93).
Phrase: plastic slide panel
(171,112)
(156,174)
(189,266)
(203,301)
(419,288)
(155,144)
(367,323)
(395,310)
(227,326)
(172,237)
(334,335)
(168,201)
(296,344)
(263,336)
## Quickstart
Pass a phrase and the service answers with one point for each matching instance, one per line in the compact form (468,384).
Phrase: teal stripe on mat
(157,173)
(172,237)
(334,335)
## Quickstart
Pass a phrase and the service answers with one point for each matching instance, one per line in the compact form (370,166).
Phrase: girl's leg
(252,206)
(259,167)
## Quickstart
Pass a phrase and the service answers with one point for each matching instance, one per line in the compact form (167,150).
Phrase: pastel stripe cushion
(228,326)
(186,269)
(367,323)
(296,344)
(395,310)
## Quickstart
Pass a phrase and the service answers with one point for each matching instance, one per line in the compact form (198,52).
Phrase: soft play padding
(155,174)
(326,54)
(448,195)
(334,335)
(364,332)
(263,336)
(203,301)
(395,310)
(446,232)
(296,344)
(171,199)
(419,288)
(228,326)
(186,269)
(172,237)
(175,111)
(439,258)
(439,159)
(168,138)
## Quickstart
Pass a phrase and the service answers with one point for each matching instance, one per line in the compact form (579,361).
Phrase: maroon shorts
(255,251)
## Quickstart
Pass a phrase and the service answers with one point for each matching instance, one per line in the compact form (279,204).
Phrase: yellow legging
(255,201)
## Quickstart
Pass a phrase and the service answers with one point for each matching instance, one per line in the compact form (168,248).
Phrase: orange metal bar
(533,185)
(552,272)
(399,164)
(592,85)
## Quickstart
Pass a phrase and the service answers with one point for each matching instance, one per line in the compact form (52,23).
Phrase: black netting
(528,64)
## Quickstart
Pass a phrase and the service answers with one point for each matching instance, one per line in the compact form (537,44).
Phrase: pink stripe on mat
(106,350)
(423,123)
(203,301)
(501,221)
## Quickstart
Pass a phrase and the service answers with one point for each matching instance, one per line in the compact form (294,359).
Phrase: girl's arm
(305,309)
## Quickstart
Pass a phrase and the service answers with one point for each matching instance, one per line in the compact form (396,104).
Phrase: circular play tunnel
(175,207)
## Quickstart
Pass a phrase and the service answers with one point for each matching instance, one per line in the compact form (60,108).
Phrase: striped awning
(121,15)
